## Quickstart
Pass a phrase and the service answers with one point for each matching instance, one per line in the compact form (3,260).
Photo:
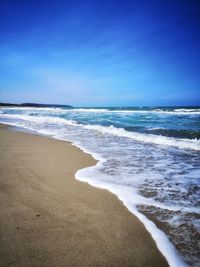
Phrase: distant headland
(36,105)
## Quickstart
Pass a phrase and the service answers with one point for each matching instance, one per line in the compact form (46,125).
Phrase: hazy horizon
(108,106)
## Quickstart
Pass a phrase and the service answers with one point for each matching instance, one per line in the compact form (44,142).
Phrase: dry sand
(48,218)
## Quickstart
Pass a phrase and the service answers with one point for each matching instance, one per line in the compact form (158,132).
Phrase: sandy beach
(48,218)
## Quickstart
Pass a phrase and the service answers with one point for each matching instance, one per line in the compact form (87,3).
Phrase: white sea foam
(156,128)
(156,111)
(187,110)
(162,111)
(89,110)
(179,112)
(129,199)
(193,144)
(40,119)
(148,138)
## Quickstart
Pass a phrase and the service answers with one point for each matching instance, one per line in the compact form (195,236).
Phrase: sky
(100,53)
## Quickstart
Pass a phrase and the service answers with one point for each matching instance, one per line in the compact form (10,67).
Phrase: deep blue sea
(148,157)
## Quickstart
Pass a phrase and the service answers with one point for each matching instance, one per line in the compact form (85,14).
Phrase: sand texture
(48,218)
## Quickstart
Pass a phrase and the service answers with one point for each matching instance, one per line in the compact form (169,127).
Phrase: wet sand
(48,218)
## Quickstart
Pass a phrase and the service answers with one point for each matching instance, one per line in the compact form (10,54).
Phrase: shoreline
(99,215)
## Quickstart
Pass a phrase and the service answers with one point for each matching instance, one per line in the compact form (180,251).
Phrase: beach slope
(48,218)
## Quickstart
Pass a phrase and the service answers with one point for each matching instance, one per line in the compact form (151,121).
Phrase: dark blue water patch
(135,129)
(176,133)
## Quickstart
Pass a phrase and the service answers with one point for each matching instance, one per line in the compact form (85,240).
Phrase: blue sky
(100,53)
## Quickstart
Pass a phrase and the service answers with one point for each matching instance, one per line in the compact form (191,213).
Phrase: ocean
(148,157)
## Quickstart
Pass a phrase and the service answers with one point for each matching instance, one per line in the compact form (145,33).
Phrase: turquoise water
(148,157)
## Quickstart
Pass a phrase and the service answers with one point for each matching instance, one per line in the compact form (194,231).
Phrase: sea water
(148,157)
